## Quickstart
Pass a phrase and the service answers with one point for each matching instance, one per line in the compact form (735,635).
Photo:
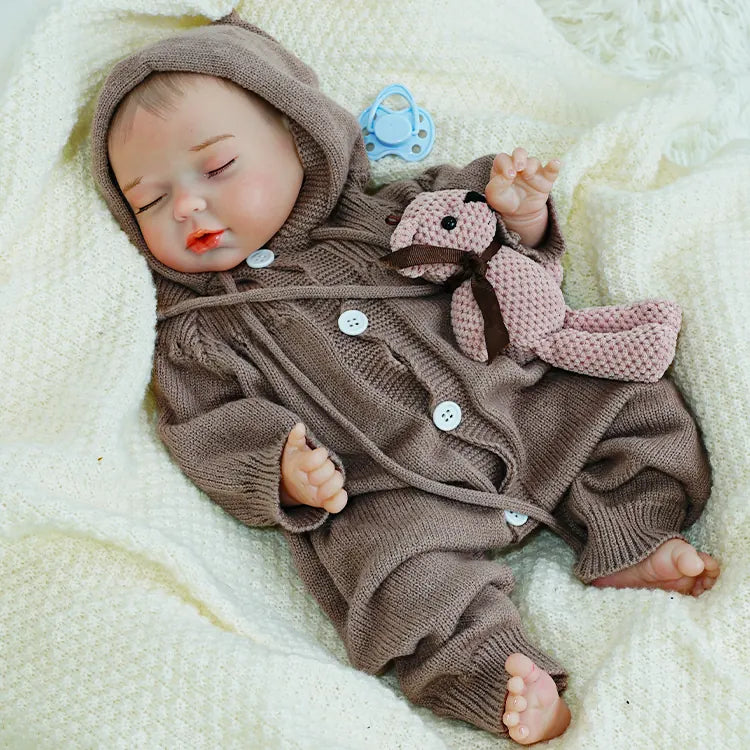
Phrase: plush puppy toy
(506,303)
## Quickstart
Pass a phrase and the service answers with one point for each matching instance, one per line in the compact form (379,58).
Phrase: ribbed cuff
(478,696)
(621,536)
(259,502)
(552,245)
(301,518)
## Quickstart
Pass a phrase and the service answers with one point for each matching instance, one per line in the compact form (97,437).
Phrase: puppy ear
(473,196)
(403,234)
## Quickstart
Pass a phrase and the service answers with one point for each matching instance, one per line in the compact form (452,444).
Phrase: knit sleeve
(475,176)
(226,440)
(552,246)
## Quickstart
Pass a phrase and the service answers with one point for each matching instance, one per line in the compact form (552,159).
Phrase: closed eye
(148,205)
(215,172)
(212,173)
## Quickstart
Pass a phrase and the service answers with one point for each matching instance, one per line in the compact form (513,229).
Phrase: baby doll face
(219,162)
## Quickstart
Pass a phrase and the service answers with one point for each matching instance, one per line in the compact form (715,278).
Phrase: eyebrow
(132,184)
(210,142)
(204,144)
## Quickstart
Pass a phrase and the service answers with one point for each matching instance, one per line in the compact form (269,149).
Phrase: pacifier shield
(408,133)
(392,129)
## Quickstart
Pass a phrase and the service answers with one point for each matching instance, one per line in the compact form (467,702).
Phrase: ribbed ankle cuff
(619,537)
(478,696)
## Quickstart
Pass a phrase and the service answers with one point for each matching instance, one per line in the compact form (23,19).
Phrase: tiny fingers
(314,459)
(520,157)
(336,503)
(540,180)
(503,165)
(509,164)
(527,168)
(552,168)
(329,488)
(550,171)
(296,437)
(323,474)
(532,166)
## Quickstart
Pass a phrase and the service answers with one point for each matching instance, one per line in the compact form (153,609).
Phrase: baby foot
(533,709)
(673,566)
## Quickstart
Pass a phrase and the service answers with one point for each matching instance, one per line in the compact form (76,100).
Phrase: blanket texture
(133,611)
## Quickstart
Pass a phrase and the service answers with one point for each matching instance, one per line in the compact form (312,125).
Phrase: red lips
(203,240)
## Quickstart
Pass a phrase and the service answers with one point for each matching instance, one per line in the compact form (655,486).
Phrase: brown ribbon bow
(472,266)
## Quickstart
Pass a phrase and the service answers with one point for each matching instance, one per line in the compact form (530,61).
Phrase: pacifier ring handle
(394,89)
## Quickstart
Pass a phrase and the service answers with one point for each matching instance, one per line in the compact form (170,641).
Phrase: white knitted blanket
(136,614)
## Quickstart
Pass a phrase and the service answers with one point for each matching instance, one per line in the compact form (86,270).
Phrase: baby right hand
(308,476)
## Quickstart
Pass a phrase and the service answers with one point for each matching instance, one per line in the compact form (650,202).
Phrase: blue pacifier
(408,133)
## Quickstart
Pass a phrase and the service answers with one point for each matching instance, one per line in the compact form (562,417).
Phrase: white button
(447,415)
(515,519)
(353,322)
(261,258)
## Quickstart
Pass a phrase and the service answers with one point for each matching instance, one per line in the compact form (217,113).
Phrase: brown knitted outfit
(241,356)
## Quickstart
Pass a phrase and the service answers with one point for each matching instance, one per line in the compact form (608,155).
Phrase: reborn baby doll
(303,385)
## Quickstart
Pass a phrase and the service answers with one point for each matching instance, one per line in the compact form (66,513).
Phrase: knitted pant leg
(404,578)
(647,479)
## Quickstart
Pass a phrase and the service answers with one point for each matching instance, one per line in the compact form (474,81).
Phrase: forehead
(148,105)
(206,107)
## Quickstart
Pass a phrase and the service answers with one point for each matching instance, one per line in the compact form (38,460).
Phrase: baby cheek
(154,239)
(255,191)
(150,235)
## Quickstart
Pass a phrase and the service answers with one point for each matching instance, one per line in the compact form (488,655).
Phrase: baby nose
(187,203)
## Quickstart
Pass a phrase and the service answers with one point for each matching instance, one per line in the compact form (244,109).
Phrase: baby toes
(706,581)
(514,706)
(519,733)
(711,566)
(521,667)
(511,718)
(687,561)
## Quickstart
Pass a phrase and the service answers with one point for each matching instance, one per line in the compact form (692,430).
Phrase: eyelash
(212,173)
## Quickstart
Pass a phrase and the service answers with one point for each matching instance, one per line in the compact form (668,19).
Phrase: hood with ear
(328,138)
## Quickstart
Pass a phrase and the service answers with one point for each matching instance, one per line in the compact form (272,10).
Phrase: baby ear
(403,234)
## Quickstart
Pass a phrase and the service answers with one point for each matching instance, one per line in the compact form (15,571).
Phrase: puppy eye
(448,222)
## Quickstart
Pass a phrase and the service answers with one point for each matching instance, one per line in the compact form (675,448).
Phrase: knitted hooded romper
(614,468)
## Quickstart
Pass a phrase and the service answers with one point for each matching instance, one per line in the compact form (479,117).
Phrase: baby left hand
(519,186)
